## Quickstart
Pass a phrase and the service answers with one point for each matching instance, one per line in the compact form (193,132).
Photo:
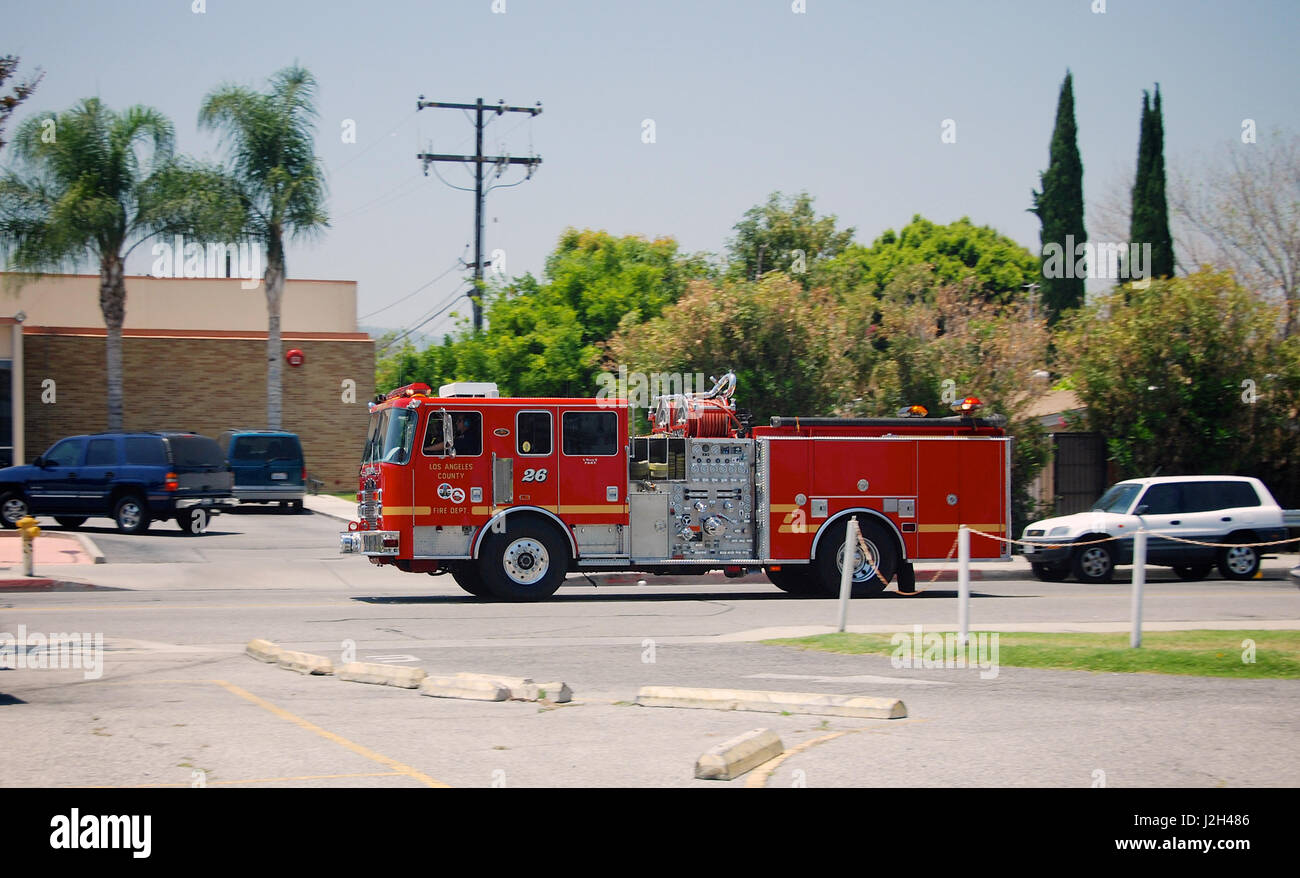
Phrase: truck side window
(533,433)
(591,433)
(467,433)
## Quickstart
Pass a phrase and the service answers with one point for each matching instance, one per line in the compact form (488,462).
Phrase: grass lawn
(1201,653)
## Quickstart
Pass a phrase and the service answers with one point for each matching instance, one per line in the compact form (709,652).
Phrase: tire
(1193,572)
(866,582)
(1239,562)
(467,577)
(13,506)
(131,515)
(71,522)
(1050,572)
(906,578)
(186,520)
(1094,564)
(795,579)
(526,563)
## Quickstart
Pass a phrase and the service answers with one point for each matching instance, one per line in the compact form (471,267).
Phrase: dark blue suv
(133,478)
(268,467)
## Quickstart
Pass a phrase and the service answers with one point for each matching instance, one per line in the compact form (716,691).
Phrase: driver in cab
(465,440)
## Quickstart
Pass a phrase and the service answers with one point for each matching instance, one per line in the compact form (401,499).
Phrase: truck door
(593,496)
(535,477)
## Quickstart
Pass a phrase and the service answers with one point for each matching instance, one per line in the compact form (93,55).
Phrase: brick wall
(206,385)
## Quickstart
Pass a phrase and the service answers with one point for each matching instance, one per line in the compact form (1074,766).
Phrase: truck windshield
(392,433)
(1118,499)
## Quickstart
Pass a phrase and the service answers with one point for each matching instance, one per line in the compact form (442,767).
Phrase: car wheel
(796,579)
(13,506)
(1050,572)
(468,577)
(1193,572)
(131,515)
(193,521)
(526,563)
(1094,564)
(71,522)
(872,570)
(1239,562)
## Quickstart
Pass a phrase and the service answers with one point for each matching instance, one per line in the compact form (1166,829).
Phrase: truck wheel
(467,577)
(1094,564)
(71,522)
(193,521)
(1193,572)
(1239,562)
(131,515)
(882,559)
(796,579)
(526,563)
(1050,572)
(13,506)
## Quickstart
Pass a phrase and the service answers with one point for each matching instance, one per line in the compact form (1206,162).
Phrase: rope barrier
(1113,538)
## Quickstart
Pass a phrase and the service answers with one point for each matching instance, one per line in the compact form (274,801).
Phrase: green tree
(94,185)
(1059,207)
(277,181)
(785,234)
(21,91)
(1001,268)
(1189,376)
(1149,219)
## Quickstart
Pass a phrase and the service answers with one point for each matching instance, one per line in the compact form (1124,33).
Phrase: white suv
(1212,509)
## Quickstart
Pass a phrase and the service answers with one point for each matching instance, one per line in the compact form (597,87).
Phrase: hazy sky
(845,100)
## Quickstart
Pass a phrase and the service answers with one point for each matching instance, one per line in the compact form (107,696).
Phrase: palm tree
(280,184)
(94,185)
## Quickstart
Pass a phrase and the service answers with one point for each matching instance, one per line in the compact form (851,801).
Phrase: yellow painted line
(216,783)
(397,767)
(594,510)
(77,608)
(406,510)
(782,507)
(953,528)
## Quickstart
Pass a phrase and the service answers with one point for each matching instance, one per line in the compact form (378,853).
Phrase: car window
(65,453)
(533,433)
(145,451)
(594,433)
(1232,495)
(196,451)
(1163,500)
(264,449)
(1117,499)
(102,452)
(467,433)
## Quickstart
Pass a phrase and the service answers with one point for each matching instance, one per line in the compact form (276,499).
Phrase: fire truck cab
(508,495)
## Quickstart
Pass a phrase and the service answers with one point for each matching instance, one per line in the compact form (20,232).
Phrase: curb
(28,582)
(263,651)
(818,704)
(384,675)
(318,510)
(465,688)
(730,759)
(525,688)
(305,663)
(88,546)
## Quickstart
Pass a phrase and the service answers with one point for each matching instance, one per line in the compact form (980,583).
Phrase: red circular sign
(294,357)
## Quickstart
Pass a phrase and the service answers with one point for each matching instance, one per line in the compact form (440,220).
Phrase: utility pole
(501,161)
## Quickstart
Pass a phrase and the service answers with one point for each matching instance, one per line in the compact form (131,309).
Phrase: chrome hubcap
(14,509)
(1095,562)
(864,567)
(1241,560)
(129,515)
(526,561)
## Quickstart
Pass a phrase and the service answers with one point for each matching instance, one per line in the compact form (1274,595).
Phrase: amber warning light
(967,405)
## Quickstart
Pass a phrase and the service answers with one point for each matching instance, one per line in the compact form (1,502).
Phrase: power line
(422,286)
(407,332)
(501,161)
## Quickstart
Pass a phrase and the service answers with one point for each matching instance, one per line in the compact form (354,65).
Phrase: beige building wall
(183,303)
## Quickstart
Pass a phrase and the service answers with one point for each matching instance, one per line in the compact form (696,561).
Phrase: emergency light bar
(416,389)
(967,405)
(913,411)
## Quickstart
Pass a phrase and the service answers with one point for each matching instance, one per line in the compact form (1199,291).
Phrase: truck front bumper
(1040,550)
(369,542)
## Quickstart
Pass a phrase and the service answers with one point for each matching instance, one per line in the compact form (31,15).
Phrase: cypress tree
(1059,207)
(1149,220)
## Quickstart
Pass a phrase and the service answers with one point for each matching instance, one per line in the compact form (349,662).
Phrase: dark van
(268,466)
(134,478)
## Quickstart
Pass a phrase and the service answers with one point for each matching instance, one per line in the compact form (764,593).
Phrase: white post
(963,584)
(846,574)
(27,556)
(1139,580)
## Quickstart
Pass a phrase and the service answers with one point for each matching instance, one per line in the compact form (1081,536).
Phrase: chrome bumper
(215,504)
(369,542)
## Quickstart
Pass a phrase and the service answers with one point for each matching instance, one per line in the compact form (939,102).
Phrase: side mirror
(1142,509)
(39,461)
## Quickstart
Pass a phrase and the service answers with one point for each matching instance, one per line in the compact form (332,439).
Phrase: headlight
(1059,531)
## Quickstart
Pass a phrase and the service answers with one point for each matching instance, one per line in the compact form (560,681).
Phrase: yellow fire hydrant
(29,531)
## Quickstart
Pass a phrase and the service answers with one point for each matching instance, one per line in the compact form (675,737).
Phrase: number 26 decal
(534,475)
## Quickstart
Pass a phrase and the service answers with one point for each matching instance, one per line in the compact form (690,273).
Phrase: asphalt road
(177,696)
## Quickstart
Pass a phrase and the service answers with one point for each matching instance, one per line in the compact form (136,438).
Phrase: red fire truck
(509,495)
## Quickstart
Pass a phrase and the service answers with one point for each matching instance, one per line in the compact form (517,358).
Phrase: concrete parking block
(305,663)
(525,688)
(467,688)
(385,675)
(818,704)
(263,651)
(730,759)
